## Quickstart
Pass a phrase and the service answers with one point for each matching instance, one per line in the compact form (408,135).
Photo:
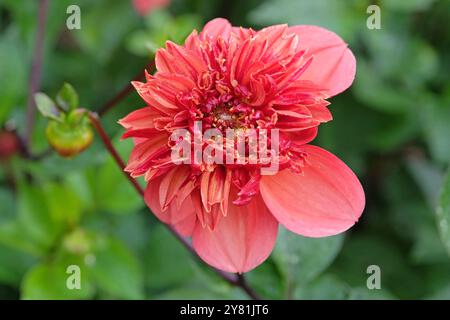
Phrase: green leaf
(46,106)
(8,204)
(362,293)
(443,294)
(412,196)
(378,93)
(80,186)
(428,247)
(167,263)
(115,270)
(302,259)
(266,280)
(171,271)
(67,98)
(48,281)
(14,235)
(134,229)
(200,292)
(98,22)
(113,192)
(406,6)
(13,265)
(428,177)
(362,251)
(395,130)
(326,287)
(331,287)
(403,51)
(35,217)
(63,203)
(435,114)
(443,213)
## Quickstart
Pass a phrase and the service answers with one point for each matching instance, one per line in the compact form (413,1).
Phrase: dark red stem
(124,92)
(234,279)
(93,117)
(36,68)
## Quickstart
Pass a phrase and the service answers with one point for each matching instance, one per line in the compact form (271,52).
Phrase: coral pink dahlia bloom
(237,78)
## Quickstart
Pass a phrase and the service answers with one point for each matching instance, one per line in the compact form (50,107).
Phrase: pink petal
(216,27)
(241,241)
(240,33)
(140,119)
(303,136)
(320,111)
(180,61)
(333,65)
(180,216)
(144,151)
(207,219)
(326,199)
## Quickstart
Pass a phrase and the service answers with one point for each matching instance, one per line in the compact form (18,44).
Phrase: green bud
(71,136)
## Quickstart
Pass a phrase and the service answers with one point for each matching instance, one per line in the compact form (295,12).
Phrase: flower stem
(36,68)
(93,117)
(233,279)
(242,282)
(123,93)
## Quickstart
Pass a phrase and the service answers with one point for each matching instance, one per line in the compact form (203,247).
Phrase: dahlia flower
(225,77)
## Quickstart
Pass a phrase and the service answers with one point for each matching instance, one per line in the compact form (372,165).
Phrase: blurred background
(392,127)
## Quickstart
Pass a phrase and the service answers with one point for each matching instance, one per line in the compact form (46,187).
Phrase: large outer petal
(333,65)
(326,199)
(241,241)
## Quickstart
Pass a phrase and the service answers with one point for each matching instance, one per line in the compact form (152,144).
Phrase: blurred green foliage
(392,127)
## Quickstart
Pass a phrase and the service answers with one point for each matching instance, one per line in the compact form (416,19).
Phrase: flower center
(224,118)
